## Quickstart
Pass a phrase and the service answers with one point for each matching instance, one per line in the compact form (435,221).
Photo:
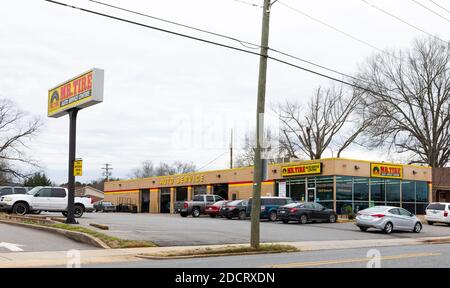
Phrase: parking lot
(173,230)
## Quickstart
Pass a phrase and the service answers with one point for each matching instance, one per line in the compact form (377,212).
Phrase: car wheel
(430,222)
(20,209)
(78,211)
(242,215)
(388,228)
(303,219)
(195,212)
(212,215)
(417,228)
(183,214)
(273,216)
(363,229)
(285,221)
(332,218)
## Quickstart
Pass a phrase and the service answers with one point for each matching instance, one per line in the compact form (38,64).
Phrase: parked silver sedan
(388,219)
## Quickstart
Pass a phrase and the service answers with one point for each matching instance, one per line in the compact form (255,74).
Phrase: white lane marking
(11,246)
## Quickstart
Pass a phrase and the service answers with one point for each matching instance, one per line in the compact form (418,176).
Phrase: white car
(51,199)
(438,213)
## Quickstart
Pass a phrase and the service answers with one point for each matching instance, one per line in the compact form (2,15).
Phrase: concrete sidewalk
(60,258)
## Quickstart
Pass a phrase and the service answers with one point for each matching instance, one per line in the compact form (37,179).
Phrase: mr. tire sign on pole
(67,98)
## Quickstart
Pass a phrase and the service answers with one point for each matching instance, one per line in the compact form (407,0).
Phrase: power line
(248,3)
(403,21)
(224,46)
(256,46)
(330,26)
(212,161)
(244,43)
(431,10)
(440,6)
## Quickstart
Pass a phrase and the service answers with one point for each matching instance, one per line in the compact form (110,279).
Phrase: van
(438,213)
(269,206)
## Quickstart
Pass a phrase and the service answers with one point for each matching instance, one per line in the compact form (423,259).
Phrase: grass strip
(263,248)
(111,241)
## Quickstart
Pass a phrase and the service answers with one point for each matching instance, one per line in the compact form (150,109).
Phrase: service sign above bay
(80,92)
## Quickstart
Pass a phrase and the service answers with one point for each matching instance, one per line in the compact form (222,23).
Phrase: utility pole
(107,168)
(257,173)
(231,150)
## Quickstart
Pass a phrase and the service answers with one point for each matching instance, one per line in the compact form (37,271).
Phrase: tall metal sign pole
(257,173)
(72,149)
(68,98)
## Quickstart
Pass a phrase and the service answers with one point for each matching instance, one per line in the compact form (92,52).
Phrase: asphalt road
(173,230)
(417,256)
(31,240)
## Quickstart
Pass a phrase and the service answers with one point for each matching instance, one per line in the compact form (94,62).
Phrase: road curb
(156,257)
(73,235)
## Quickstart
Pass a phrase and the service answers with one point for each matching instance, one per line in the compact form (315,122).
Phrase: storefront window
(408,191)
(344,207)
(361,189)
(324,189)
(296,189)
(392,190)
(344,188)
(421,192)
(201,189)
(377,190)
(411,207)
(358,206)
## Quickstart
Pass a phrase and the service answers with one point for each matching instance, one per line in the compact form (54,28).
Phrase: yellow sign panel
(382,170)
(186,179)
(304,169)
(82,91)
(78,167)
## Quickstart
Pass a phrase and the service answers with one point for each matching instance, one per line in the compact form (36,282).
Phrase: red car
(214,209)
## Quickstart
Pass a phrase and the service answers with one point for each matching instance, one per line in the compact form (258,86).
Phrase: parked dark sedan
(105,207)
(305,212)
(234,209)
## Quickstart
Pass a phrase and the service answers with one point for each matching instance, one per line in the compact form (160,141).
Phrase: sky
(168,98)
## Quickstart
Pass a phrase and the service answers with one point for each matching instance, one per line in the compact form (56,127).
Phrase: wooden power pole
(257,173)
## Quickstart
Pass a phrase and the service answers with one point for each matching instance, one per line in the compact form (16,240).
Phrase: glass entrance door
(311,195)
(311,191)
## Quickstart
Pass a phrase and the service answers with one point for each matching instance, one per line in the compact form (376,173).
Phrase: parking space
(173,230)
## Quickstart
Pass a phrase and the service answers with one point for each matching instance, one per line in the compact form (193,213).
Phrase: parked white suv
(52,199)
(438,213)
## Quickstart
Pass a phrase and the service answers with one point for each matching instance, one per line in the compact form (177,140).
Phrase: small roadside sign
(78,167)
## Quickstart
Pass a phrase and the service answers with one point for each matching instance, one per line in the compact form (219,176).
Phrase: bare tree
(246,157)
(408,102)
(16,130)
(329,120)
(148,169)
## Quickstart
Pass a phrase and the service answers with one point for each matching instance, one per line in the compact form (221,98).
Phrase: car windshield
(234,203)
(34,190)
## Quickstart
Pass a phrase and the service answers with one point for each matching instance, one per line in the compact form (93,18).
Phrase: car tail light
(378,215)
(445,213)
(186,205)
(293,210)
